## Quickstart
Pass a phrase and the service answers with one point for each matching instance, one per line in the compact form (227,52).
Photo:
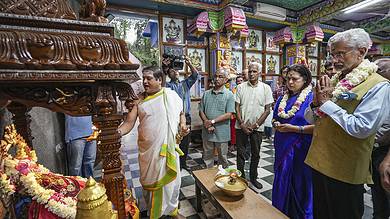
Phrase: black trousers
(333,199)
(380,198)
(255,142)
(184,144)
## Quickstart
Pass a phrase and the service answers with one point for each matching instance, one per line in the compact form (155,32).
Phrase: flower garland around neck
(352,79)
(283,103)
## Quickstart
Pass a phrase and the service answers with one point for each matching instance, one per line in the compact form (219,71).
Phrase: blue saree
(292,190)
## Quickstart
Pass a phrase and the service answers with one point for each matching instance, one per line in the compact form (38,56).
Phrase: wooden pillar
(107,121)
(22,119)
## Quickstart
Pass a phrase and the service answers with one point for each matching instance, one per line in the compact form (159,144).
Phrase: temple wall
(48,127)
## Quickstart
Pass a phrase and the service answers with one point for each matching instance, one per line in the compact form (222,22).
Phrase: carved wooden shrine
(50,59)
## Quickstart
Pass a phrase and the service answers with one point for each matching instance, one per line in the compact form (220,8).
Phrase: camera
(176,62)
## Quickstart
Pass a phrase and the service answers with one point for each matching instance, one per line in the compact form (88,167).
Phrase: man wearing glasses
(347,111)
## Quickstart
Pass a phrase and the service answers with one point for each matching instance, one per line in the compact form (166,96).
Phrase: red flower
(23,167)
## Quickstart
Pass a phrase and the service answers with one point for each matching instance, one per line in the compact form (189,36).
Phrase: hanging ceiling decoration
(313,33)
(200,24)
(283,36)
(231,18)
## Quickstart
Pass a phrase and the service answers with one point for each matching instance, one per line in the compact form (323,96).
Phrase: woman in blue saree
(292,188)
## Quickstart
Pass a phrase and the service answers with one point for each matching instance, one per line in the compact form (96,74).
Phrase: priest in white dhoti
(162,125)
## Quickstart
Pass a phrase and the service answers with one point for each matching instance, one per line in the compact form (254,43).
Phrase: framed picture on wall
(198,58)
(312,50)
(272,64)
(236,63)
(270,46)
(312,62)
(254,40)
(173,30)
(253,57)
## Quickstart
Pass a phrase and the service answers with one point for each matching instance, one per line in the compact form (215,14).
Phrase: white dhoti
(159,117)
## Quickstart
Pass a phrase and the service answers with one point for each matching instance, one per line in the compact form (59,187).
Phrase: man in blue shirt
(182,88)
(81,152)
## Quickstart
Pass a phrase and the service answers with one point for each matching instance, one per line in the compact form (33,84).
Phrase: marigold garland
(297,105)
(357,76)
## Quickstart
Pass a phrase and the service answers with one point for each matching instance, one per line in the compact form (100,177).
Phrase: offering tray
(231,185)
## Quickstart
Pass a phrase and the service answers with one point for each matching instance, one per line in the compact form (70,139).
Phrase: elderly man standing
(253,105)
(348,110)
(215,110)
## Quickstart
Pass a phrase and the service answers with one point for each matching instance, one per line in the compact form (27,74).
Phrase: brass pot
(231,187)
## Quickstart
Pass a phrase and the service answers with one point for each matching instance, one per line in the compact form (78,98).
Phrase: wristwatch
(213,121)
(312,106)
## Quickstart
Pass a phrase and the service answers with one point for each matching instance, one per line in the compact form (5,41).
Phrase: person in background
(281,87)
(268,127)
(182,88)
(285,69)
(347,111)
(239,80)
(292,190)
(162,125)
(215,110)
(245,74)
(253,104)
(329,68)
(381,157)
(81,151)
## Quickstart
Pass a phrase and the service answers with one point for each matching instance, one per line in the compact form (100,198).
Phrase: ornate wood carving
(109,145)
(22,120)
(40,8)
(63,75)
(73,98)
(81,99)
(57,50)
(68,66)
(55,24)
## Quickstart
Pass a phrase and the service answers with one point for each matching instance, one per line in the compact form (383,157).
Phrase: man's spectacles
(339,55)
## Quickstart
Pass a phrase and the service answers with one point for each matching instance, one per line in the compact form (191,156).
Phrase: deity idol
(196,60)
(226,61)
(253,39)
(173,31)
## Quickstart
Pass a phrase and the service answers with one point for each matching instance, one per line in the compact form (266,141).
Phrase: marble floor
(187,193)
